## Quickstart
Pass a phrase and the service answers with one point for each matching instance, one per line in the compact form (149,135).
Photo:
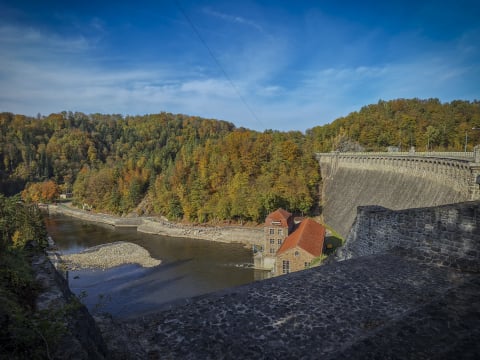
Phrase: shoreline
(157,226)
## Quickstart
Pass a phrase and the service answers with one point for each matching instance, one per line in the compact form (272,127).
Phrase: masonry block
(437,234)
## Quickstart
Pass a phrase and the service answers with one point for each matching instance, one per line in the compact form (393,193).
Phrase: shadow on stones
(332,243)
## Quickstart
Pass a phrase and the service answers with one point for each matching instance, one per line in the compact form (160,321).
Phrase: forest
(24,332)
(205,170)
(428,125)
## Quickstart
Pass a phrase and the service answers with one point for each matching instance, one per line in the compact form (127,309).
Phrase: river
(189,267)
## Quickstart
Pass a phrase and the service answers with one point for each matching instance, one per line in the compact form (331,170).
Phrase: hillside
(204,170)
(186,167)
(426,124)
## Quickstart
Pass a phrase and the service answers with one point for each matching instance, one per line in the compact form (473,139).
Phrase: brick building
(300,248)
(278,225)
(287,248)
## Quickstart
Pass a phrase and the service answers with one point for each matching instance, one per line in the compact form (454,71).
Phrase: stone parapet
(447,235)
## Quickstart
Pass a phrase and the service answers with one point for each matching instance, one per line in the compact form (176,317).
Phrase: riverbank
(158,226)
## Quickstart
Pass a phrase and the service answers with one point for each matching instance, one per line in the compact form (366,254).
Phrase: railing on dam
(468,155)
(460,170)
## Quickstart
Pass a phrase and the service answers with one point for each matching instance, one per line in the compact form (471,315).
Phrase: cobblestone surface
(381,306)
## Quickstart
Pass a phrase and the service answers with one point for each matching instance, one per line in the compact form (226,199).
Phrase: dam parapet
(447,235)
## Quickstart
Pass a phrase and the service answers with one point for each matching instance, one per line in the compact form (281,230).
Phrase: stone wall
(447,235)
(395,182)
(297,262)
(277,234)
(82,339)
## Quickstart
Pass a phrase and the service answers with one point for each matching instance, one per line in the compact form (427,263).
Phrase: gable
(279,217)
(309,236)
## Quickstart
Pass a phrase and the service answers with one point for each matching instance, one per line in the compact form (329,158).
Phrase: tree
(46,191)
(433,135)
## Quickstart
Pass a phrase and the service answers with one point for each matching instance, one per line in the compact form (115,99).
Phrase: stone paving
(381,307)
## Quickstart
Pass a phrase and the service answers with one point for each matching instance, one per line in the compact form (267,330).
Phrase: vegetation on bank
(25,333)
(199,170)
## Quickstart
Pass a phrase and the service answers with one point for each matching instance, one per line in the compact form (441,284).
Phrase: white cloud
(43,72)
(24,40)
(208,87)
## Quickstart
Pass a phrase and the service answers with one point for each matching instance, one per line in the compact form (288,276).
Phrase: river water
(189,267)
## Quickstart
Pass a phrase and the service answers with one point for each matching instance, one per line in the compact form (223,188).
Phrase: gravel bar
(106,256)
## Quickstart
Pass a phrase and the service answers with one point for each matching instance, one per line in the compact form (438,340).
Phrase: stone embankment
(106,256)
(150,225)
(81,339)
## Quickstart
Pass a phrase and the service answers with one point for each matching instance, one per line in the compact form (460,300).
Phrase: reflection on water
(189,267)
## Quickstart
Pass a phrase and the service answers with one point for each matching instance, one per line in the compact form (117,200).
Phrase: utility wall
(394,182)
(447,235)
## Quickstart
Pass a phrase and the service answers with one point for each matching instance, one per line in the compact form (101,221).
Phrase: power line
(202,40)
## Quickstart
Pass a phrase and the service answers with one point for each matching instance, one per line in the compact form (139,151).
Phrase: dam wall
(446,235)
(394,181)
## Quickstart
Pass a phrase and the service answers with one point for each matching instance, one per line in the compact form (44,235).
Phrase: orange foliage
(45,191)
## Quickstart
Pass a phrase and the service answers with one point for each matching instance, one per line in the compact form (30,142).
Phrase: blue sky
(284,65)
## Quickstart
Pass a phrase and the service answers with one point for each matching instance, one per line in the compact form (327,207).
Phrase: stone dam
(395,181)
(406,285)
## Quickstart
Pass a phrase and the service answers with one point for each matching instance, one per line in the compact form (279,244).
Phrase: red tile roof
(278,215)
(309,236)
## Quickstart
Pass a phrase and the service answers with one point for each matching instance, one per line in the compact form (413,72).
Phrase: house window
(272,241)
(272,231)
(272,250)
(286,266)
(279,241)
(297,253)
(280,231)
(307,264)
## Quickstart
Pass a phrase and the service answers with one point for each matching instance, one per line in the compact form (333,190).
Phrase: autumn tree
(45,192)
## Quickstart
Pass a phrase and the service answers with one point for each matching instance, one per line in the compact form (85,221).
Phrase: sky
(282,65)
